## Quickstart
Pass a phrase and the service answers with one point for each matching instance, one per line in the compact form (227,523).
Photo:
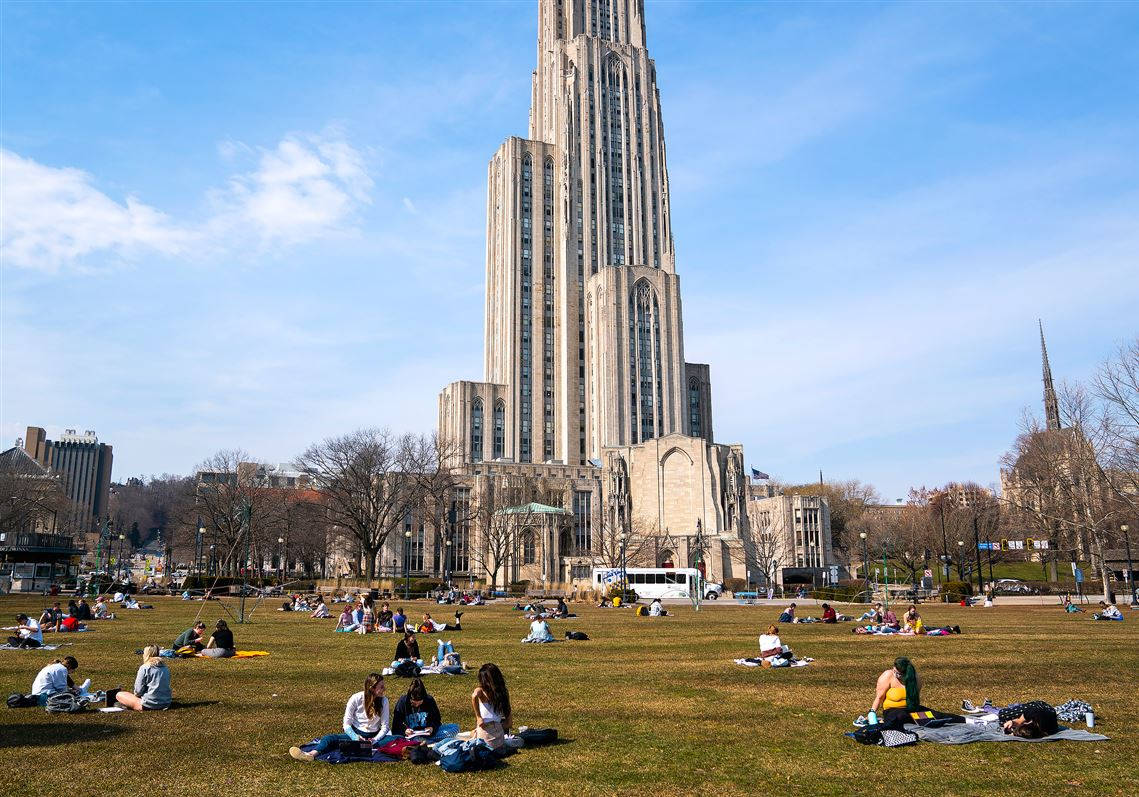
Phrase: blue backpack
(470,756)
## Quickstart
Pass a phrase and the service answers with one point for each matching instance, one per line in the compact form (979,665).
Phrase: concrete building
(85,466)
(34,554)
(586,384)
(791,535)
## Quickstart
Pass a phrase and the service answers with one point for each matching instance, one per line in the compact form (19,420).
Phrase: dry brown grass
(646,704)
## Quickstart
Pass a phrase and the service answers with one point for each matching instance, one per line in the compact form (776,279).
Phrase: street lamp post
(1130,572)
(961,559)
(623,538)
(211,566)
(977,553)
(407,565)
(447,562)
(199,551)
(122,539)
(865,564)
(281,552)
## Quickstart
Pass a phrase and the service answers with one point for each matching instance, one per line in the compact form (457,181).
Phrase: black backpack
(537,736)
(65,703)
(577,635)
(406,669)
(17,700)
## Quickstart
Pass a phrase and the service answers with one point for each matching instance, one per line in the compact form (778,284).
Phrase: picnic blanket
(334,756)
(990,732)
(6,646)
(758,662)
(241,654)
(432,669)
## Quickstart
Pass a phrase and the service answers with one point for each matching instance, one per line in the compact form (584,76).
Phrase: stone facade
(587,387)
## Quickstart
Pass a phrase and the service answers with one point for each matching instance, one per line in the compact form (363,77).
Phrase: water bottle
(872,718)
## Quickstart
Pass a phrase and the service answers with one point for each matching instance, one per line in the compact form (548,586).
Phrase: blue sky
(258,225)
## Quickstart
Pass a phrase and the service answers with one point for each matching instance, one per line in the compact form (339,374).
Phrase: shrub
(519,587)
(735,584)
(848,592)
(956,590)
(421,586)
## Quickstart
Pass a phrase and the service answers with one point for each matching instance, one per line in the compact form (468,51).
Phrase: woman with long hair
(491,704)
(55,678)
(365,717)
(416,713)
(151,684)
(221,644)
(898,694)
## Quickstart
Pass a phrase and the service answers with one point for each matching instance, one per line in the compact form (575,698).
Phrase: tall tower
(1051,406)
(584,331)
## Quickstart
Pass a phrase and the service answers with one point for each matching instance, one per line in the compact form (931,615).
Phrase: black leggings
(23,642)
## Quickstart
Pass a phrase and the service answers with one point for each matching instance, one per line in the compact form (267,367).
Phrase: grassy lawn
(646,703)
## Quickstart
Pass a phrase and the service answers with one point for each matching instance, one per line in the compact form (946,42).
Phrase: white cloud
(52,217)
(307,187)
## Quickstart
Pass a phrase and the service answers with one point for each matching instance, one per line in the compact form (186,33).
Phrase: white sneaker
(861,722)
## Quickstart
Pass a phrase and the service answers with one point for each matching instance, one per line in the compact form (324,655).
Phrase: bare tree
(847,501)
(505,515)
(365,484)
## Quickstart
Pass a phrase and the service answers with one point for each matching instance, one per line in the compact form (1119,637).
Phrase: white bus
(657,582)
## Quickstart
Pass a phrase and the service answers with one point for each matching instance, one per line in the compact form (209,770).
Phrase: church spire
(1051,406)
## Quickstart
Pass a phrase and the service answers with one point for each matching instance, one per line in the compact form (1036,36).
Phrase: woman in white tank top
(491,704)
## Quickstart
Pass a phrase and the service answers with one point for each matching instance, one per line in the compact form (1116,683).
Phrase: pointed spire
(1051,406)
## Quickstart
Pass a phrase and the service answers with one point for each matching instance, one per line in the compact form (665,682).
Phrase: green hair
(909,679)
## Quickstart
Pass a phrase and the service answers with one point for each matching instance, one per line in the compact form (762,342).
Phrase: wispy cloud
(306,187)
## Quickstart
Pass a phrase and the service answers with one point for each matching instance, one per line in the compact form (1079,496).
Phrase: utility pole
(246,516)
(977,553)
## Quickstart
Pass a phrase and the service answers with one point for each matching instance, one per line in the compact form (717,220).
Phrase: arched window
(645,377)
(476,430)
(529,547)
(499,428)
(694,415)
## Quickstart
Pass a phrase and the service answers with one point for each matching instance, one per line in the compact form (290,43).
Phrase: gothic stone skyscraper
(584,363)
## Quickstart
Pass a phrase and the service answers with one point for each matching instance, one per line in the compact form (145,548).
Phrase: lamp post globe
(407,565)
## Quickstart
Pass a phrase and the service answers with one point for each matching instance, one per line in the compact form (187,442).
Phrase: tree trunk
(1099,561)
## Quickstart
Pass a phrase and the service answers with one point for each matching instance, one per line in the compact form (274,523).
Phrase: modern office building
(84,464)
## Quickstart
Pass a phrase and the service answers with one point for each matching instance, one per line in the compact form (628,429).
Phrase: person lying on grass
(365,717)
(429,626)
(191,637)
(151,684)
(416,713)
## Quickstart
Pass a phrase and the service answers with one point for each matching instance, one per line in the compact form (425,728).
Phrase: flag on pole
(758,474)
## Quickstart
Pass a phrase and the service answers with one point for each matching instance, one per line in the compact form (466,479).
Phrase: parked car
(712,591)
(1011,586)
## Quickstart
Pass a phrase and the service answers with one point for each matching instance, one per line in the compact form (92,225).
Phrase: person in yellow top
(913,621)
(898,687)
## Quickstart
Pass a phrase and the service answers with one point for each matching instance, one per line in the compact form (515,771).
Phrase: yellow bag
(642,611)
(616,601)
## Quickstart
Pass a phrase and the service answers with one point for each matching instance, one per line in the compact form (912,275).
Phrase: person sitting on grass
(561,610)
(47,619)
(407,647)
(656,608)
(788,615)
(28,633)
(491,704)
(399,620)
(366,716)
(539,631)
(151,684)
(83,611)
(54,679)
(898,694)
(347,620)
(191,637)
(367,617)
(913,621)
(771,647)
(102,610)
(320,612)
(829,614)
(890,620)
(1107,611)
(384,618)
(416,713)
(220,644)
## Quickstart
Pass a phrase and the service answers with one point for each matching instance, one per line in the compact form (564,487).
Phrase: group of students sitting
(367,715)
(898,695)
(829,615)
(362,618)
(30,631)
(535,610)
(151,684)
(886,622)
(299,603)
(220,644)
